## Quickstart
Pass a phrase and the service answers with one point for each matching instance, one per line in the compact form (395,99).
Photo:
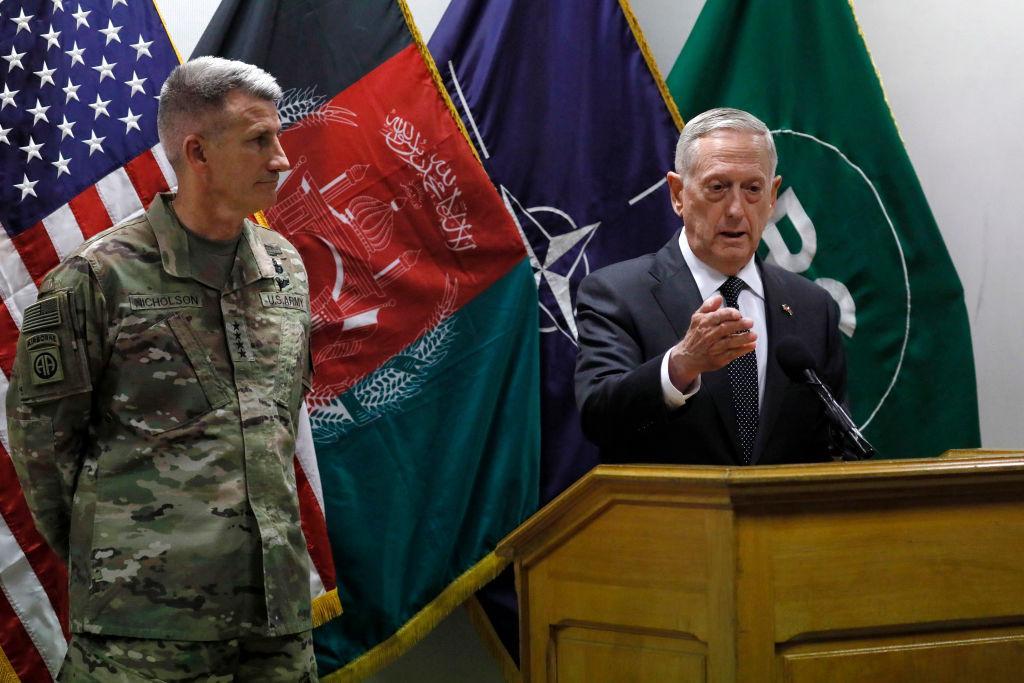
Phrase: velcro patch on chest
(284,300)
(164,300)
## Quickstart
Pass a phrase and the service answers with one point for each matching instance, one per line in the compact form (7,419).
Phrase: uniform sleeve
(50,394)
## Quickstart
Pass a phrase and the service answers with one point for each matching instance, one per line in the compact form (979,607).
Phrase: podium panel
(882,571)
(586,654)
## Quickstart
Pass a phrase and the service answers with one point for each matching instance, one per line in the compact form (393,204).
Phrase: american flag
(79,86)
(78,153)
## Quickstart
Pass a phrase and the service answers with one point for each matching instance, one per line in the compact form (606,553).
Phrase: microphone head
(794,358)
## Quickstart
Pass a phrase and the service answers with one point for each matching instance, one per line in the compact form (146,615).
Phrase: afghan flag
(424,406)
(851,214)
(575,127)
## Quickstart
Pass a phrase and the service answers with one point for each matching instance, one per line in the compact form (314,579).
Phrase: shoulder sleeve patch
(51,360)
(42,315)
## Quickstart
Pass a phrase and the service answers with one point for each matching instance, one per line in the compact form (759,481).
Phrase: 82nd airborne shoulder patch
(44,357)
(46,365)
(44,348)
(50,360)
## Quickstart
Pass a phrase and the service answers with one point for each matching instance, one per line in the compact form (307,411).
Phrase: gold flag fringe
(421,623)
(638,34)
(881,85)
(326,607)
(432,67)
(7,673)
(170,40)
(261,219)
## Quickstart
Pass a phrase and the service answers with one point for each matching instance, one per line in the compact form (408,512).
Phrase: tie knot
(731,289)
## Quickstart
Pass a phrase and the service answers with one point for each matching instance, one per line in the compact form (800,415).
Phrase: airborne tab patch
(283,300)
(42,339)
(160,301)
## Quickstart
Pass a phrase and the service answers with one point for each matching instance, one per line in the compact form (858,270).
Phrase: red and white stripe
(33,580)
(311,507)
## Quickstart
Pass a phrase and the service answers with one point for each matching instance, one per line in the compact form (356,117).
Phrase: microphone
(798,364)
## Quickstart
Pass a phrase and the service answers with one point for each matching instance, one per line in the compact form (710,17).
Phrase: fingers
(717,335)
(719,323)
(733,328)
(733,344)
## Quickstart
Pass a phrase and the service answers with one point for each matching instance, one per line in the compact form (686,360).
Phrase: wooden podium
(900,570)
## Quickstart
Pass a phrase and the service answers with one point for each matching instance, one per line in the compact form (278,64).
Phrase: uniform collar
(252,261)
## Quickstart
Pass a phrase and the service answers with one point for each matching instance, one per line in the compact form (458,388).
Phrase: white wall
(954,75)
(185,21)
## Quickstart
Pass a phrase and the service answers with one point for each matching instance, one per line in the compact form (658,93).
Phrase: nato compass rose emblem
(558,253)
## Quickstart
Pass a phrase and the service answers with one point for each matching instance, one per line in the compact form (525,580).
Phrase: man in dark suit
(677,349)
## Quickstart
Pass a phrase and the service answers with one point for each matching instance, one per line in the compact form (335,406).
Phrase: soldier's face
(727,198)
(245,155)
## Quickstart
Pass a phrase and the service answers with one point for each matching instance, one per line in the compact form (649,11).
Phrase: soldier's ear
(194,148)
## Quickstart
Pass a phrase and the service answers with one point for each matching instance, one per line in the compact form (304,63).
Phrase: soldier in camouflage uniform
(154,404)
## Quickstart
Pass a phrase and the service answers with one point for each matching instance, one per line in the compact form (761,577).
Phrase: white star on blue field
(557,250)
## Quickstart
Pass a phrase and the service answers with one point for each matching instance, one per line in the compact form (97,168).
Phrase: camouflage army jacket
(152,421)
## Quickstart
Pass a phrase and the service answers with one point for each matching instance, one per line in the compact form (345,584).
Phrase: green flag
(851,214)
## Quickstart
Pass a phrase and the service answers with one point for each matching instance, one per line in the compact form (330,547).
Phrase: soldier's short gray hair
(722,118)
(200,87)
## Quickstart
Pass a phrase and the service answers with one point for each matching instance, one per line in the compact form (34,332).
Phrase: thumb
(712,303)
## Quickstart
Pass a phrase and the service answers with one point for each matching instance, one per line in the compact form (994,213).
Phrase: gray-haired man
(154,404)
(677,349)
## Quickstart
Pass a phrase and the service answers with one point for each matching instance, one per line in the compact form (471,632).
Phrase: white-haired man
(154,405)
(677,349)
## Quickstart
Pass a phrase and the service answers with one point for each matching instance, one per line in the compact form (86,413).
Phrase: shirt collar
(709,280)
(173,243)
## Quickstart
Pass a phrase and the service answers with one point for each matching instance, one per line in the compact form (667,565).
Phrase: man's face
(244,155)
(727,198)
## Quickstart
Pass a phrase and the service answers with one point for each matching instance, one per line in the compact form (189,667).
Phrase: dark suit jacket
(629,314)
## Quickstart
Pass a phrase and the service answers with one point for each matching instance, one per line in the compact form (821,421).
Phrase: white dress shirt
(751,303)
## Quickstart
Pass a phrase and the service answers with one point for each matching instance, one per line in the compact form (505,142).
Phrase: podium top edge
(952,463)
(974,472)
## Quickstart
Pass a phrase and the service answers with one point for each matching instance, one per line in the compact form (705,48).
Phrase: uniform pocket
(162,377)
(292,362)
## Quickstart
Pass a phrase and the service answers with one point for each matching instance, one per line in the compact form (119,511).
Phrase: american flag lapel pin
(787,310)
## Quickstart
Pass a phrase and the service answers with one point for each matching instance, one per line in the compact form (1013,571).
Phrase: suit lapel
(778,326)
(675,289)
(676,292)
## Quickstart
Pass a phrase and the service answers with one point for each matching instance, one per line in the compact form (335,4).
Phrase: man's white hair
(198,88)
(722,118)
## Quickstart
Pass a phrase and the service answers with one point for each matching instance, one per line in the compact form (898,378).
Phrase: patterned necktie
(743,378)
